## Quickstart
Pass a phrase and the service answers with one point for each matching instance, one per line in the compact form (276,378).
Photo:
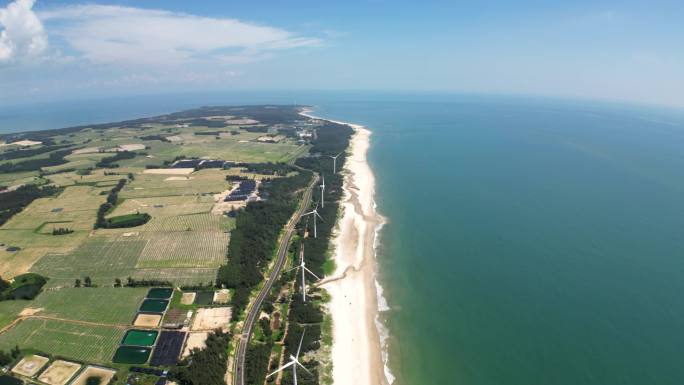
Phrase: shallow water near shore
(527,242)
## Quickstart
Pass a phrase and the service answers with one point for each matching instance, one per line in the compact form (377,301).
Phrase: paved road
(255,309)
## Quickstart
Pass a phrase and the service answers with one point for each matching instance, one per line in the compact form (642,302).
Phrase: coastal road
(255,309)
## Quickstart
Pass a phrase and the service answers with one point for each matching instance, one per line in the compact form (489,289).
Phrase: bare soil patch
(147,320)
(169,171)
(59,373)
(188,298)
(195,340)
(29,311)
(212,318)
(30,365)
(105,375)
(222,296)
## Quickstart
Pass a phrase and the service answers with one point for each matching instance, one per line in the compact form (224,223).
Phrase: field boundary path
(255,309)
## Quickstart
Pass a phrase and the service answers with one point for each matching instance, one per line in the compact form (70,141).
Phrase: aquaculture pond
(160,293)
(154,305)
(131,355)
(140,338)
(204,298)
(7,380)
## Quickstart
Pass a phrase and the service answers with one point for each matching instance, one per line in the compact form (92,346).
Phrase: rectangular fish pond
(8,380)
(140,337)
(131,355)
(204,298)
(154,305)
(160,293)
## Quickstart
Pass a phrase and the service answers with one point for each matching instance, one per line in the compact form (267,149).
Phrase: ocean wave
(383,306)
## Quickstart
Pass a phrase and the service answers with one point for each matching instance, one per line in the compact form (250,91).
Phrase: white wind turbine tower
(304,270)
(323,191)
(315,214)
(334,158)
(294,361)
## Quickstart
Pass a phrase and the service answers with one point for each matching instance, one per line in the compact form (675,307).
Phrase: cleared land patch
(104,374)
(196,340)
(70,340)
(212,318)
(59,373)
(30,365)
(147,320)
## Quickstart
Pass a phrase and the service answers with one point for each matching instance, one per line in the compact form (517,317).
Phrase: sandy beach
(357,350)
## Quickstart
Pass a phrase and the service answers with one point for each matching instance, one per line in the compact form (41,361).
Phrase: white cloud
(21,33)
(135,36)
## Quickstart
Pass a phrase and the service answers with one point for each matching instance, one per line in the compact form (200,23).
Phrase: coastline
(359,351)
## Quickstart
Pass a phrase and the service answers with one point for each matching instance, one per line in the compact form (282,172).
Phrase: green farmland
(110,305)
(76,341)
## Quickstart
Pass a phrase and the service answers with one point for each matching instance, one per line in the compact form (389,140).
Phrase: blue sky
(617,50)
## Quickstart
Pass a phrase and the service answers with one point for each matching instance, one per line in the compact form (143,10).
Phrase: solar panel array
(243,191)
(169,346)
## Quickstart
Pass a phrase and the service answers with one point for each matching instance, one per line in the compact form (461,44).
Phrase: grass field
(208,181)
(9,311)
(109,305)
(201,249)
(103,258)
(186,257)
(69,340)
(75,207)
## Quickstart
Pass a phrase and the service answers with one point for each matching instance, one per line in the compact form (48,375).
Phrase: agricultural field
(9,311)
(17,178)
(209,181)
(201,249)
(70,340)
(33,247)
(110,305)
(75,208)
(103,258)
(95,178)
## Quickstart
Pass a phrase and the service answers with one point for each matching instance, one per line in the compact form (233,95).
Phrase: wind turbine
(294,361)
(323,191)
(315,214)
(334,158)
(304,270)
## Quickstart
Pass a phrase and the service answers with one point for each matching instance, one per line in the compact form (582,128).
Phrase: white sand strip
(357,352)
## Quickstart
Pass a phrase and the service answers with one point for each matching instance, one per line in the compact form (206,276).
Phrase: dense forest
(110,161)
(254,239)
(206,366)
(12,202)
(112,198)
(25,153)
(332,139)
(54,159)
(24,286)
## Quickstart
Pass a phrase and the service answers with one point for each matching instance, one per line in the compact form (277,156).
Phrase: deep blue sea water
(529,242)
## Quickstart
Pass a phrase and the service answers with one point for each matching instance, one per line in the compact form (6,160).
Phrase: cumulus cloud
(21,32)
(135,36)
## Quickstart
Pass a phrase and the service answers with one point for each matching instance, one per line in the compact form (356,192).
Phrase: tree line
(254,240)
(12,202)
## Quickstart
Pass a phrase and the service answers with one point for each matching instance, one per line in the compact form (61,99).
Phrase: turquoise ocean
(529,242)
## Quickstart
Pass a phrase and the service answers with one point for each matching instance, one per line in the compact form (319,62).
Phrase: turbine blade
(281,368)
(312,273)
(319,215)
(294,373)
(303,367)
(300,345)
